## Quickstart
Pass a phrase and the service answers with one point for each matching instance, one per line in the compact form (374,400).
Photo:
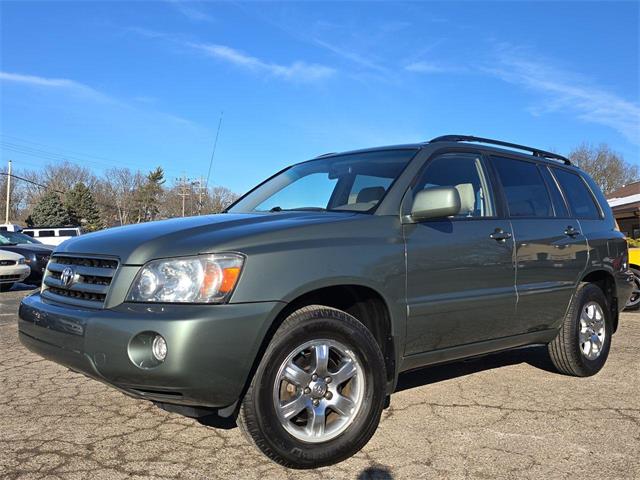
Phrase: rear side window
(578,195)
(68,233)
(559,205)
(526,192)
(28,232)
(46,233)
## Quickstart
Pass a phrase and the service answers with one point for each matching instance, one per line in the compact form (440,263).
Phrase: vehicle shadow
(378,472)
(536,356)
(23,287)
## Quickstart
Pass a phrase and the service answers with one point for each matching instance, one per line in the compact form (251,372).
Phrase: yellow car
(634,266)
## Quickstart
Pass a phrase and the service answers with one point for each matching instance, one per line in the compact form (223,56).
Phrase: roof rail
(325,155)
(468,138)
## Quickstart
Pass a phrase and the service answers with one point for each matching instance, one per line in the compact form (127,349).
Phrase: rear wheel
(634,300)
(318,393)
(582,345)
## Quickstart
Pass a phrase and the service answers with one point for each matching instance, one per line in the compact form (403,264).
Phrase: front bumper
(17,272)
(211,348)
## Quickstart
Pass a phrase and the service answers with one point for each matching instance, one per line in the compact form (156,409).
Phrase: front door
(460,270)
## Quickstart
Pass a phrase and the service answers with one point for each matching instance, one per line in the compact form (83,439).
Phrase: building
(625,203)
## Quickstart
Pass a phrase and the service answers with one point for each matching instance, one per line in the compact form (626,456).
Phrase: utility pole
(201,190)
(183,184)
(6,212)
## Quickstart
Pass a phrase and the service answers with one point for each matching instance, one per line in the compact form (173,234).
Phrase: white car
(53,235)
(13,269)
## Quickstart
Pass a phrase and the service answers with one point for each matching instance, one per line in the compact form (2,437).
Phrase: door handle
(571,232)
(500,235)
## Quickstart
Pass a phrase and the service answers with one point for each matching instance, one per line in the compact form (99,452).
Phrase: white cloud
(62,83)
(430,67)
(84,91)
(191,11)
(297,71)
(566,91)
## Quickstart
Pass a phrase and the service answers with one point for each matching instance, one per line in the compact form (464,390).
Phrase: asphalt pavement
(503,416)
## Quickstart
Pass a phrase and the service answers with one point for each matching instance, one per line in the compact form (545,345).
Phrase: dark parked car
(296,310)
(35,253)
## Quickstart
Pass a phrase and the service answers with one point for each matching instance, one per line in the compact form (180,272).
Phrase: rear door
(551,252)
(460,271)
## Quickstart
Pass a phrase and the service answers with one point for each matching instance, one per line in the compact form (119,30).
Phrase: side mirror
(436,202)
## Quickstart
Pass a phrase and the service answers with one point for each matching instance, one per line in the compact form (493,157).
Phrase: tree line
(65,193)
(69,194)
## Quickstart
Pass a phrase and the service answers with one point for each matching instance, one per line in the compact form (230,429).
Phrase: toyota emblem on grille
(67,276)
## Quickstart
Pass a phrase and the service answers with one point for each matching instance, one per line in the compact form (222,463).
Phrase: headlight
(21,261)
(201,279)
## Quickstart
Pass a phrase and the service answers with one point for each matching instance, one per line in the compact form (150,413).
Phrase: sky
(144,83)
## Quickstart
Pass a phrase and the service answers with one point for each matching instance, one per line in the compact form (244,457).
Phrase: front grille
(6,263)
(9,278)
(91,280)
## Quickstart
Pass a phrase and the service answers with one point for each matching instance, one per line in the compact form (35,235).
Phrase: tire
(5,287)
(568,353)
(260,419)
(634,301)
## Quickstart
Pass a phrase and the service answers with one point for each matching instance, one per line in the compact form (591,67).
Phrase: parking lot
(502,416)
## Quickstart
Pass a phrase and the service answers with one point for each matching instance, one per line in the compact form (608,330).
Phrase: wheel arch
(606,281)
(363,302)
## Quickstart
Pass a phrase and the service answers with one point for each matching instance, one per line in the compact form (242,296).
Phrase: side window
(28,232)
(524,188)
(577,194)
(68,233)
(559,206)
(46,233)
(466,173)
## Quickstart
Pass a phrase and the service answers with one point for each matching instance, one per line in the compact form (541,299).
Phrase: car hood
(27,248)
(7,255)
(139,243)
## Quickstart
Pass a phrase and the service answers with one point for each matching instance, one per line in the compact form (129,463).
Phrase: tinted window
(559,205)
(524,188)
(577,194)
(68,233)
(46,233)
(28,232)
(466,174)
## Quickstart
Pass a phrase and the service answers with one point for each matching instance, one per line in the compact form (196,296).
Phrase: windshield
(13,238)
(355,182)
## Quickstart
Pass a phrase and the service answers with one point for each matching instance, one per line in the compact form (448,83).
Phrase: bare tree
(608,168)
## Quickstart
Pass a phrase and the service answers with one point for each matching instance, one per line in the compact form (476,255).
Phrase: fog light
(159,348)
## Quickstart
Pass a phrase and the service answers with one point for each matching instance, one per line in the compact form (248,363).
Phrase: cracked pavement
(507,415)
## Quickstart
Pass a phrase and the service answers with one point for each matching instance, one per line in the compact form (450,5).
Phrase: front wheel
(582,345)
(317,395)
(634,300)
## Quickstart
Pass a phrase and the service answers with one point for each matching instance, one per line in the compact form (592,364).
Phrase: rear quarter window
(578,195)
(68,233)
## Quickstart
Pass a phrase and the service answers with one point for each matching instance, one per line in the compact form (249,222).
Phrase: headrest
(371,194)
(467,198)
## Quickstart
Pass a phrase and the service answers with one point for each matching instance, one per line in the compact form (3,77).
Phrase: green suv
(294,312)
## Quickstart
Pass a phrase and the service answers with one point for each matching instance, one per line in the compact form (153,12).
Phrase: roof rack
(535,151)
(325,155)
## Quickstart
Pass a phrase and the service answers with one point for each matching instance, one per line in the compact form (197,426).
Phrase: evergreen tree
(148,196)
(82,208)
(49,212)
